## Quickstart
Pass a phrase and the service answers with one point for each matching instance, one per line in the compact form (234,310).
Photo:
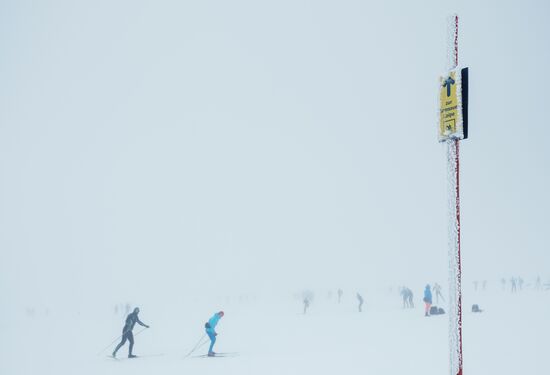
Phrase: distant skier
(360,299)
(484,285)
(127,334)
(427,299)
(503,283)
(210,328)
(410,298)
(306,305)
(407,296)
(404,294)
(538,284)
(513,281)
(437,290)
(475,285)
(340,293)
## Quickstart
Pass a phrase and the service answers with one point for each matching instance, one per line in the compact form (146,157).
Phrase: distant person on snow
(360,299)
(427,299)
(538,284)
(404,295)
(210,328)
(410,298)
(127,334)
(407,296)
(340,292)
(513,281)
(306,304)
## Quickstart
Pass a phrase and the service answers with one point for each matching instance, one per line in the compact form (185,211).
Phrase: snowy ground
(509,337)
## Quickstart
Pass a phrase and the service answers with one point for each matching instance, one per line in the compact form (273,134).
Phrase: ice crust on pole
(452,140)
(455,319)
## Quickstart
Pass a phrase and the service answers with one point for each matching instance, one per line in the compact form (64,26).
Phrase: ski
(136,357)
(226,354)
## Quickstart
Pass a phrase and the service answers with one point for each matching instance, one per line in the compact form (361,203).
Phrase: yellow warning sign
(450,121)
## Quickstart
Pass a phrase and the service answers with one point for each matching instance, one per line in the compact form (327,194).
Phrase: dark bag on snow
(475,308)
(434,310)
(440,311)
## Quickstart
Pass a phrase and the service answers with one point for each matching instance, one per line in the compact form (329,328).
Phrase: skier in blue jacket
(210,328)
(428,299)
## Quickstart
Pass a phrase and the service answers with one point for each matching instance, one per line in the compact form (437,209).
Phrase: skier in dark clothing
(306,304)
(360,299)
(407,296)
(513,281)
(403,293)
(410,298)
(127,334)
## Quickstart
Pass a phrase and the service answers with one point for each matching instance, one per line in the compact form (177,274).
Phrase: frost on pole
(452,127)
(455,298)
(453,90)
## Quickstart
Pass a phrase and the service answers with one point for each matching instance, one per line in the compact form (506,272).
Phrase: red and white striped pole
(455,267)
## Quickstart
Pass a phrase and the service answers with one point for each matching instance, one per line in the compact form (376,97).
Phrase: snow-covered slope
(275,338)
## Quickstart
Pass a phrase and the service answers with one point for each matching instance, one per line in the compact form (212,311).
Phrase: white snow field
(272,337)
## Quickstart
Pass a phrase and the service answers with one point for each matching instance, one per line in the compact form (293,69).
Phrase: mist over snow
(191,157)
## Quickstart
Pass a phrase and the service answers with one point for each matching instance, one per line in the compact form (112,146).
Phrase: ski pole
(143,329)
(198,345)
(115,340)
(108,346)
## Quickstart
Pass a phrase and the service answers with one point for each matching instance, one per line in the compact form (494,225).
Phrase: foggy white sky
(244,145)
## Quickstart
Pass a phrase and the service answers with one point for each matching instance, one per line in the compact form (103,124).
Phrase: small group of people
(429,310)
(123,308)
(407,296)
(516,283)
(306,301)
(132,319)
(483,284)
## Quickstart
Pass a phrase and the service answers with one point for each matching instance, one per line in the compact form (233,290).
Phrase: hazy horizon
(227,147)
